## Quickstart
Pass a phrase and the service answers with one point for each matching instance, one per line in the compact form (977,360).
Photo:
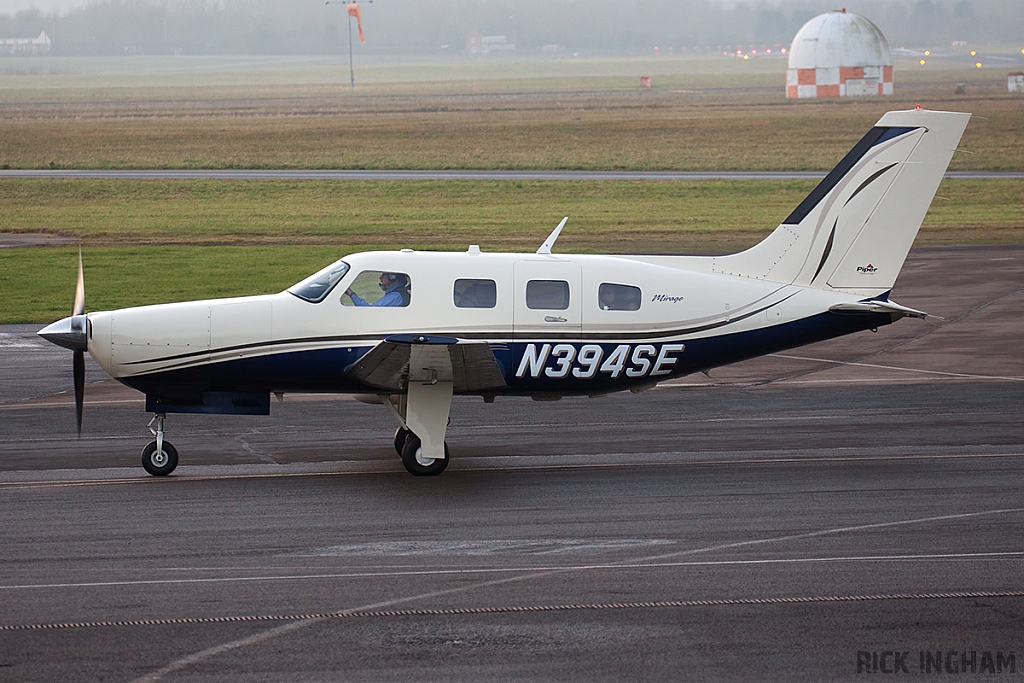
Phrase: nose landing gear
(159,457)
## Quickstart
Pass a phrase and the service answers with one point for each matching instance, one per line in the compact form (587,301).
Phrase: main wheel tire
(416,464)
(401,434)
(159,464)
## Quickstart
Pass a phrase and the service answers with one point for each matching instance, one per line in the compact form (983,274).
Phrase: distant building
(479,44)
(1015,82)
(839,54)
(25,46)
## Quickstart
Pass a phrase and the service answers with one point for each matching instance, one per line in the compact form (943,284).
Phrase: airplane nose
(71,333)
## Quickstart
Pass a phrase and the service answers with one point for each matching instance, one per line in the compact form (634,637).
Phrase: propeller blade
(78,307)
(79,388)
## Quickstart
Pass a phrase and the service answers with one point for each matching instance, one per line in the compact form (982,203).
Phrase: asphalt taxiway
(792,517)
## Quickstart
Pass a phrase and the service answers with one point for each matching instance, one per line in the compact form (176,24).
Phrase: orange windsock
(354,11)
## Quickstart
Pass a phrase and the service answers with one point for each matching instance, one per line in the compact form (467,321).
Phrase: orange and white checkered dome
(839,54)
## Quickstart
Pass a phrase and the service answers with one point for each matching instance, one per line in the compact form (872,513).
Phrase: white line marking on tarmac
(203,655)
(1003,555)
(892,367)
(280,630)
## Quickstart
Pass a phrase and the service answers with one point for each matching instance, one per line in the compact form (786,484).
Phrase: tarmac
(845,508)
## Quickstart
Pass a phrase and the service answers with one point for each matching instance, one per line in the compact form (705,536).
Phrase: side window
(475,294)
(550,295)
(618,297)
(378,288)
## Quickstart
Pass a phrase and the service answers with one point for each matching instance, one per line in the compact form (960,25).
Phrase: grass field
(686,138)
(702,114)
(616,216)
(141,237)
(152,241)
(38,284)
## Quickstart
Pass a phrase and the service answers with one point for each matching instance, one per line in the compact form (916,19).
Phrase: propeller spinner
(73,333)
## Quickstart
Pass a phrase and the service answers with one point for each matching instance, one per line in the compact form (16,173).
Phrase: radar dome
(839,54)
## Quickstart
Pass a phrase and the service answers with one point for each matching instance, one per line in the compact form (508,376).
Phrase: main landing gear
(422,417)
(159,457)
(410,448)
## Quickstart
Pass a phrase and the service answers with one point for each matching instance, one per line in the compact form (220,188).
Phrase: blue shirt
(391,298)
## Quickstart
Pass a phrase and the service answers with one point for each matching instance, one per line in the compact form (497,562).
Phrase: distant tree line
(396,27)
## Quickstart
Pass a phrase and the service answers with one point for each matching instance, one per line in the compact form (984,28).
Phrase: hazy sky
(421,26)
(47,6)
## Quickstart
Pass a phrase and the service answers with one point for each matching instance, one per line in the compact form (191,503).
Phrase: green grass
(140,237)
(37,285)
(418,214)
(604,215)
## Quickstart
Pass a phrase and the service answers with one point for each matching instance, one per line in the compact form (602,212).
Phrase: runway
(458,174)
(850,504)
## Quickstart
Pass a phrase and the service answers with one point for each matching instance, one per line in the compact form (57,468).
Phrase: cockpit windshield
(317,286)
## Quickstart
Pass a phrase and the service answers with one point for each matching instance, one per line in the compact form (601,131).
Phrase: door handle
(554,319)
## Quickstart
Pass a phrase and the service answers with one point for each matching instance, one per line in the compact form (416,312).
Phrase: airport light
(921,62)
(978,65)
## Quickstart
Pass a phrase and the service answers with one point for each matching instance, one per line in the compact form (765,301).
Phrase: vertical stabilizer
(853,231)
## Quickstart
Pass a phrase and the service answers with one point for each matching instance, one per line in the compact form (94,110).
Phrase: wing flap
(469,365)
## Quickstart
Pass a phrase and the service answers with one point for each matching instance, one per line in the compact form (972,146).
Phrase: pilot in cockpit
(396,291)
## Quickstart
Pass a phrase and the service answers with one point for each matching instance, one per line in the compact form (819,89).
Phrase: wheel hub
(159,458)
(423,461)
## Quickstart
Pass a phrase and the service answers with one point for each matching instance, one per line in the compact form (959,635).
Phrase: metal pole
(351,73)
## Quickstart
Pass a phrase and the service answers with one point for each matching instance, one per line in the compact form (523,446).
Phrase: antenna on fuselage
(550,241)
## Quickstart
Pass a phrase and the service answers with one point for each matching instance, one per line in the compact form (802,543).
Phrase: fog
(438,28)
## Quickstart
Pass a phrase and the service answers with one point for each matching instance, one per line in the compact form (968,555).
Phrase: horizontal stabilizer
(879,306)
(469,366)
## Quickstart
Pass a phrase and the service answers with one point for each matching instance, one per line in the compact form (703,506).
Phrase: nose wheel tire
(414,461)
(161,463)
(401,434)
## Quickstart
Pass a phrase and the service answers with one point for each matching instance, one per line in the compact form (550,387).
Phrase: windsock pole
(351,71)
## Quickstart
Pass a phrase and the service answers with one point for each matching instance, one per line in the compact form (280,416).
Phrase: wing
(469,365)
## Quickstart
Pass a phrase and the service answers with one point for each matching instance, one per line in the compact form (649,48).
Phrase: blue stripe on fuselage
(699,354)
(317,370)
(322,370)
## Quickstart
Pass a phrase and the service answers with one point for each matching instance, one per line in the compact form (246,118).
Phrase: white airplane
(541,324)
